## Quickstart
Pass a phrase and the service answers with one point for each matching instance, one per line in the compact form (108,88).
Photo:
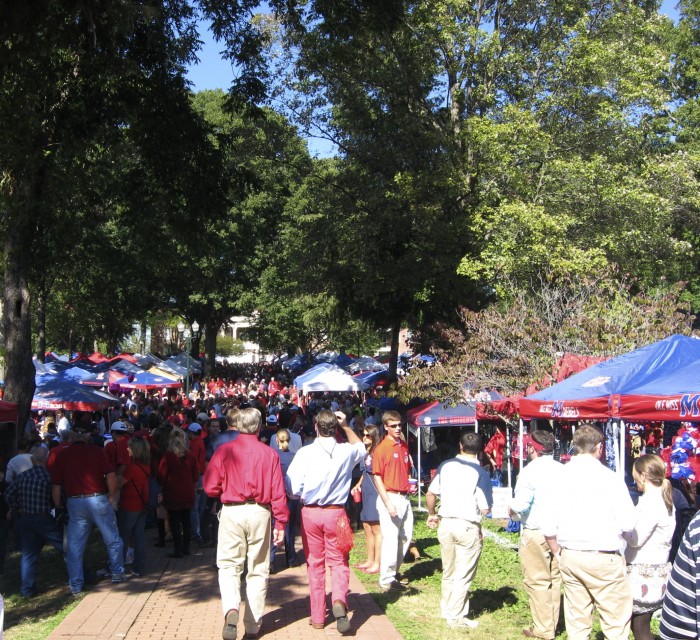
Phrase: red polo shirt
(391,461)
(246,469)
(81,469)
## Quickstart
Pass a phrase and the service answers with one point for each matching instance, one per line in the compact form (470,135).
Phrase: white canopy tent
(328,378)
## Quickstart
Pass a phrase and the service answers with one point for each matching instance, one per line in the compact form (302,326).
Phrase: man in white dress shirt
(585,530)
(533,499)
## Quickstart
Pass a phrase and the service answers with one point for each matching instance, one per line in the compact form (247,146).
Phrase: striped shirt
(680,617)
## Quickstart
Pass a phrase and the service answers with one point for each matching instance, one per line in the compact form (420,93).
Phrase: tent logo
(598,381)
(666,405)
(560,411)
(689,405)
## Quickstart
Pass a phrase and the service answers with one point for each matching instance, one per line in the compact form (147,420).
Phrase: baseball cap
(119,427)
(202,417)
(272,419)
(194,427)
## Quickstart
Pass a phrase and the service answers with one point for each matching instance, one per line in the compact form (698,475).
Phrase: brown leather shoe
(317,625)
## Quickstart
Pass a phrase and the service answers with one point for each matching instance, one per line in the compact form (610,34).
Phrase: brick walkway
(178,599)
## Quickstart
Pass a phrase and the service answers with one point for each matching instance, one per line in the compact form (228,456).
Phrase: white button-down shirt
(535,491)
(593,509)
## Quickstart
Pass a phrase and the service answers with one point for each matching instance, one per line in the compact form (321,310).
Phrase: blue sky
(213,72)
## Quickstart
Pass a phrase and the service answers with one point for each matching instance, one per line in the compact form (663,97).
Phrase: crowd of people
(247,465)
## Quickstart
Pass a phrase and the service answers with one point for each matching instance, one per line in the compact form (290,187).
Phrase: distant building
(240,328)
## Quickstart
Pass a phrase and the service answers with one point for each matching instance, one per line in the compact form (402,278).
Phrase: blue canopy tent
(146,380)
(56,393)
(598,393)
(365,363)
(343,360)
(372,378)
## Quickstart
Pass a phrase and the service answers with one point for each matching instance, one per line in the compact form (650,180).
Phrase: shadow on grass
(490,600)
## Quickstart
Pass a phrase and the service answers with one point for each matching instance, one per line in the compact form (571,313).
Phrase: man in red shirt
(246,476)
(118,450)
(391,466)
(87,478)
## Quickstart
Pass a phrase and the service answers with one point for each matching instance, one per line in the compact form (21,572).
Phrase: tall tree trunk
(19,374)
(394,353)
(41,326)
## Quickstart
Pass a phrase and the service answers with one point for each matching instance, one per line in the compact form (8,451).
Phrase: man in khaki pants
(585,530)
(465,492)
(532,502)
(246,476)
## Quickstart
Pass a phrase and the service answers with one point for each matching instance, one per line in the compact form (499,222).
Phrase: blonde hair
(654,470)
(177,443)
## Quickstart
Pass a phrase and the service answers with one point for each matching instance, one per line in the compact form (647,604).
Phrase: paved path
(178,599)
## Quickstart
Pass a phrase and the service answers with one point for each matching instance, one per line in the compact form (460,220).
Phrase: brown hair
(326,423)
(654,470)
(586,439)
(545,439)
(373,432)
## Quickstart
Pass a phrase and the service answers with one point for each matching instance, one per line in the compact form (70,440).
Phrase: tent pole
(418,432)
(621,457)
(509,447)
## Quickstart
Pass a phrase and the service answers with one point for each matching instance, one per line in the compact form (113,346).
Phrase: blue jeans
(36,531)
(134,523)
(200,502)
(83,514)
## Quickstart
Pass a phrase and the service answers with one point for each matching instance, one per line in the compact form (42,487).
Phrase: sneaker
(394,585)
(402,579)
(103,573)
(135,574)
(463,623)
(119,577)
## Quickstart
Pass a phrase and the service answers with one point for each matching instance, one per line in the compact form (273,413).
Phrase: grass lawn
(498,599)
(35,618)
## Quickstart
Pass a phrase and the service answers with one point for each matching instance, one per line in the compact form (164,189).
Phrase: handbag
(344,539)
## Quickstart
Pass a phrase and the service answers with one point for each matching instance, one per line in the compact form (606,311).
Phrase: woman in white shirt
(649,543)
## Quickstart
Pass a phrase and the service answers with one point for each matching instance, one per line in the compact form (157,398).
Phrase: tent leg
(509,447)
(621,457)
(419,507)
